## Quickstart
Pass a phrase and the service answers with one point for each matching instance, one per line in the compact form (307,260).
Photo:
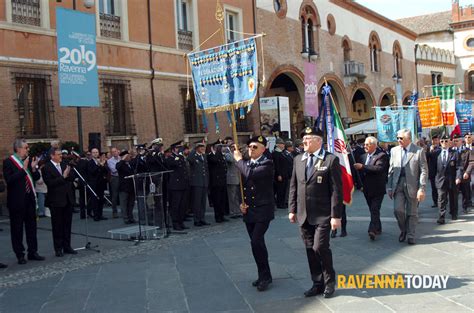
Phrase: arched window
(397,59)
(374,49)
(346,48)
(309,29)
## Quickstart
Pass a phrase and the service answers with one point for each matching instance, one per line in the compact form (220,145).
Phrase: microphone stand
(88,245)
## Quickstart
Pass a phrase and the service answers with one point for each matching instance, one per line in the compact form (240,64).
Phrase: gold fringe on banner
(228,107)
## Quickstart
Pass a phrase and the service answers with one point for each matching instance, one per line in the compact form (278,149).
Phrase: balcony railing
(110,26)
(185,39)
(26,12)
(353,68)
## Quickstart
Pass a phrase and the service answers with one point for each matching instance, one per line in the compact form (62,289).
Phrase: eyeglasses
(253,147)
(444,140)
(399,138)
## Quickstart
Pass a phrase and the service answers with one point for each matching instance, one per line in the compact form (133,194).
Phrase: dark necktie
(27,186)
(444,157)
(309,166)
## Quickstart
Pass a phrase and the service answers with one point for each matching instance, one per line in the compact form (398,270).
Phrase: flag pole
(350,148)
(219,15)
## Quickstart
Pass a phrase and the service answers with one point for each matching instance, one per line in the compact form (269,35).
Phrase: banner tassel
(216,121)
(242,113)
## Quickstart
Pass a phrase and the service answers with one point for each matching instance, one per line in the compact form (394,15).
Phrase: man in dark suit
(465,185)
(20,172)
(258,204)
(282,162)
(432,159)
(60,199)
(218,180)
(199,181)
(177,184)
(373,172)
(316,204)
(448,176)
(126,188)
(96,178)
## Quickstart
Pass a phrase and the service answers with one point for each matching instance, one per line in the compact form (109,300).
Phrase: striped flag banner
(448,104)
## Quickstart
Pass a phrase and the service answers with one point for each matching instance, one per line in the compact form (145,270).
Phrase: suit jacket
(374,174)
(416,169)
(124,169)
(199,171)
(217,169)
(432,159)
(60,189)
(96,175)
(179,178)
(283,163)
(464,162)
(257,180)
(232,170)
(470,163)
(447,174)
(319,197)
(16,180)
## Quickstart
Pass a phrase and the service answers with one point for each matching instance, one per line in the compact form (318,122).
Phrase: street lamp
(87,4)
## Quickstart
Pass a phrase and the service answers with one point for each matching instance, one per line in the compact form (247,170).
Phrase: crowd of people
(301,177)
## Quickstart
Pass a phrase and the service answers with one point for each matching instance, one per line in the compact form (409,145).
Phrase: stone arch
(303,11)
(390,93)
(292,71)
(406,97)
(397,48)
(366,89)
(362,101)
(339,91)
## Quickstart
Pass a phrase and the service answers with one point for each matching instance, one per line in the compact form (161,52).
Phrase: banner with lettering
(310,90)
(392,119)
(430,112)
(464,115)
(77,61)
(448,110)
(225,77)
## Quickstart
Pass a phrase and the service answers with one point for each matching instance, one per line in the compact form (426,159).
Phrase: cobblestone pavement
(210,270)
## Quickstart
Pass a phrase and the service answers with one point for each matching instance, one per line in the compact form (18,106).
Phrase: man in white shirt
(114,179)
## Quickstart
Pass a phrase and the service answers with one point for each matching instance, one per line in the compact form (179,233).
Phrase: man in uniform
(156,163)
(218,180)
(448,176)
(258,204)
(199,181)
(283,163)
(465,185)
(316,204)
(432,159)
(177,184)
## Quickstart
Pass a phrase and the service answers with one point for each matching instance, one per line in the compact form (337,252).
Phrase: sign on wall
(77,59)
(310,90)
(269,120)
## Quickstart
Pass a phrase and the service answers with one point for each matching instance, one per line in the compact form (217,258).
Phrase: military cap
(288,144)
(64,151)
(434,137)
(177,144)
(218,142)
(312,131)
(141,146)
(258,139)
(280,141)
(157,141)
(124,152)
(298,142)
(468,134)
(456,136)
(199,143)
(445,137)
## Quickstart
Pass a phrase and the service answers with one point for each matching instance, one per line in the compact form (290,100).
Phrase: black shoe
(21,260)
(219,220)
(197,224)
(343,233)
(255,283)
(183,226)
(434,206)
(59,253)
(411,241)
(441,221)
(132,221)
(371,235)
(127,222)
(465,211)
(69,250)
(454,217)
(314,291)
(224,219)
(3,265)
(103,218)
(204,223)
(263,284)
(96,219)
(35,257)
(329,290)
(177,227)
(402,237)
(333,233)
(83,217)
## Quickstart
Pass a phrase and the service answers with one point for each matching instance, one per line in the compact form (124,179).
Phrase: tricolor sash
(19,164)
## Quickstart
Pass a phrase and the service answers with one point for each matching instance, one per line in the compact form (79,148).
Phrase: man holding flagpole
(20,173)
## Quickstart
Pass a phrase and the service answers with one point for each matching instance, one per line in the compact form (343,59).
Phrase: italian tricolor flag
(337,145)
(448,104)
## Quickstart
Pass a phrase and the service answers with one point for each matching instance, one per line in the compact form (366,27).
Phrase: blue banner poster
(226,76)
(77,61)
(390,120)
(464,115)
